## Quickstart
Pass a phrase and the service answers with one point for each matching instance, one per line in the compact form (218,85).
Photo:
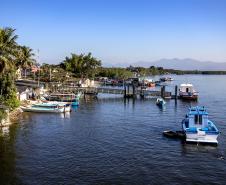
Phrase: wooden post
(163,89)
(176,92)
(134,92)
(142,93)
(124,91)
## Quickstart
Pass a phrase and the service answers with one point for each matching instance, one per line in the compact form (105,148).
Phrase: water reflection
(201,150)
(8,155)
(4,131)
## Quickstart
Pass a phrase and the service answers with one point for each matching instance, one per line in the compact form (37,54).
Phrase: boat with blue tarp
(198,128)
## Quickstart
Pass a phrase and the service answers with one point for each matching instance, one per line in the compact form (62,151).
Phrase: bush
(2,114)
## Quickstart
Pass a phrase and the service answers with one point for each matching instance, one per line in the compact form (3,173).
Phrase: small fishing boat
(70,98)
(160,102)
(188,92)
(174,134)
(198,128)
(165,79)
(48,108)
(170,133)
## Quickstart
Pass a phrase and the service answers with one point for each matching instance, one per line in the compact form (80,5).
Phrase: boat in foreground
(187,92)
(48,108)
(160,102)
(198,128)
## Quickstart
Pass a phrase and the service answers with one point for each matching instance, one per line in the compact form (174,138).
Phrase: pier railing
(104,90)
(130,91)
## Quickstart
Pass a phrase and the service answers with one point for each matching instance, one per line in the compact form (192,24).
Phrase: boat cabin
(188,88)
(197,117)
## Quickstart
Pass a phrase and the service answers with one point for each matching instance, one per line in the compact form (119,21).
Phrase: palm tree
(8,48)
(25,58)
(81,65)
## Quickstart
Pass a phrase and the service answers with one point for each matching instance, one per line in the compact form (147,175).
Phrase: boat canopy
(198,117)
(187,88)
(186,85)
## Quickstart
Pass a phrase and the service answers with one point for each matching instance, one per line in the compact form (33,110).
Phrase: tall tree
(81,65)
(9,48)
(25,59)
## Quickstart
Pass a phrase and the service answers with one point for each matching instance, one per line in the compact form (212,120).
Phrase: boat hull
(196,138)
(46,110)
(189,97)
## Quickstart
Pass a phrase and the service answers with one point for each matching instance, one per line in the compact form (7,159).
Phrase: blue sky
(120,31)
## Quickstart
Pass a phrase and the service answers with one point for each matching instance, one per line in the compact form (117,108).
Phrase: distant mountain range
(180,64)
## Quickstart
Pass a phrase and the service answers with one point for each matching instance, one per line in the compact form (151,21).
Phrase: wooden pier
(128,91)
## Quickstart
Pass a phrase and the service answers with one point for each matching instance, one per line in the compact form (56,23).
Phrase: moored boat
(47,108)
(198,128)
(188,92)
(165,79)
(70,98)
(174,134)
(160,102)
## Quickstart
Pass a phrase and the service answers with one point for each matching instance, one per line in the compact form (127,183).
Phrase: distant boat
(71,98)
(198,128)
(160,102)
(48,108)
(165,79)
(188,92)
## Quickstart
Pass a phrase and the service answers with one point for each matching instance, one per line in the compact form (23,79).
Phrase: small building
(87,83)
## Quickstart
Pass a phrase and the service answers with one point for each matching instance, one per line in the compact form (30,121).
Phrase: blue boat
(198,128)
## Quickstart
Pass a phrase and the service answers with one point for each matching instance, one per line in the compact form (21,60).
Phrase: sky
(119,31)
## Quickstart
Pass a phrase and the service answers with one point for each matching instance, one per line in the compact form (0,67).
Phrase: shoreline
(11,117)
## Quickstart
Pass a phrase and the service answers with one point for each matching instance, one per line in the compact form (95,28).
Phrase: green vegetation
(2,114)
(12,57)
(182,72)
(25,60)
(83,66)
(116,73)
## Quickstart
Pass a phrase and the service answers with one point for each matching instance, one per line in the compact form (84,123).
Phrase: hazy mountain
(182,64)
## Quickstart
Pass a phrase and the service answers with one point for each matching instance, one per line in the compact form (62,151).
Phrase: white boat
(48,108)
(198,128)
(160,102)
(165,79)
(188,92)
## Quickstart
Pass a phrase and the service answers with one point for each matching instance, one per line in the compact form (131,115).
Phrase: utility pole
(38,67)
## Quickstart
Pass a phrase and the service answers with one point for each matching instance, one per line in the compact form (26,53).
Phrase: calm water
(109,141)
